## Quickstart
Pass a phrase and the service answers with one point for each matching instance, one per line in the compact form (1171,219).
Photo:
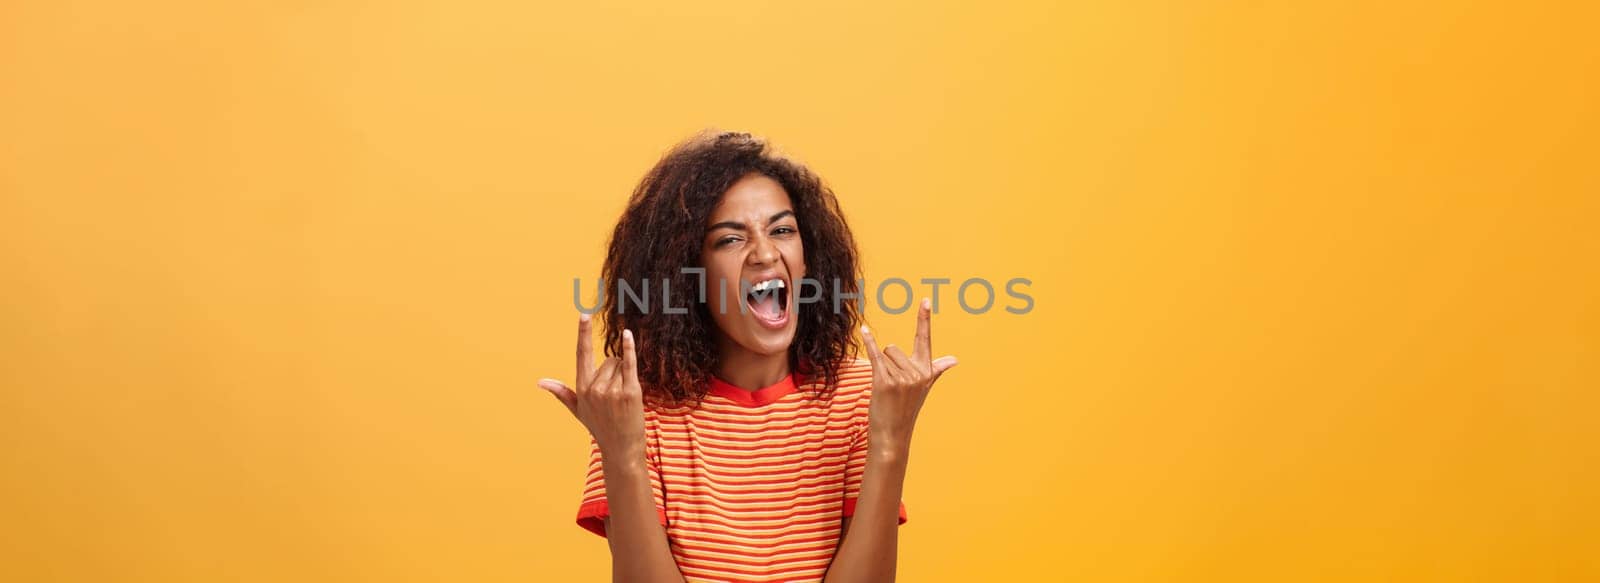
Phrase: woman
(732,435)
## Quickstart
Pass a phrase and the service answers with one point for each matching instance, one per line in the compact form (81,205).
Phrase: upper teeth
(766,285)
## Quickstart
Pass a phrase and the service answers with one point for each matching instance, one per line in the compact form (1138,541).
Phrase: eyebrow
(741,226)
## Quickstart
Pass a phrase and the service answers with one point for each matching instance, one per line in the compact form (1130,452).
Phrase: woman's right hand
(607,399)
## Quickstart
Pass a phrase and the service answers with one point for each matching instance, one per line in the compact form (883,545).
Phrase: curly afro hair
(662,231)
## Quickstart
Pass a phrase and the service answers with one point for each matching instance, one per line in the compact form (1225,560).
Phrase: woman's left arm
(900,385)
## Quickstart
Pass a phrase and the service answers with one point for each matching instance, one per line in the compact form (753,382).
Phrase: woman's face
(753,256)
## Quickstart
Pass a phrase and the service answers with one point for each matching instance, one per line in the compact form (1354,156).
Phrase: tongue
(766,305)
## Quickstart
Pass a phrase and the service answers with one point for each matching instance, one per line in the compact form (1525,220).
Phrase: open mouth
(769,302)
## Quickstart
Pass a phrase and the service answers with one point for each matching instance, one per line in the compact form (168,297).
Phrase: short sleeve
(593,509)
(856,465)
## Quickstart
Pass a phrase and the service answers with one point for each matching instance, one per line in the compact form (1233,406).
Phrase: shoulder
(665,415)
(855,382)
(857,366)
(660,420)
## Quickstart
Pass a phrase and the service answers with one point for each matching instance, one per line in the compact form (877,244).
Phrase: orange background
(1315,286)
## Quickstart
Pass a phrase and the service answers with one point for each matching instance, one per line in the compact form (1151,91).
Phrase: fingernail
(927,304)
(627,334)
(865,330)
(583,316)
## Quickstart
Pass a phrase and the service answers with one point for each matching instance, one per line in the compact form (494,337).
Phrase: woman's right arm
(609,402)
(639,550)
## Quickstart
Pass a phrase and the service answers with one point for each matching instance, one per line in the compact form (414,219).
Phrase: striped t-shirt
(751,485)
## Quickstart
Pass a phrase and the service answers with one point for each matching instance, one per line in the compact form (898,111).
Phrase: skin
(751,237)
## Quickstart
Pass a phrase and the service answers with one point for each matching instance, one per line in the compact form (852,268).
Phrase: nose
(764,252)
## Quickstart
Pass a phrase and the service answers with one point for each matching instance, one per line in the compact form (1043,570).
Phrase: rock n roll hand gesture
(606,399)
(900,383)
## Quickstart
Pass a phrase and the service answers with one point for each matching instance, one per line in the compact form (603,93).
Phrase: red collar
(756,398)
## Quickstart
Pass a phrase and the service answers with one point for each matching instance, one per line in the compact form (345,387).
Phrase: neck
(748,370)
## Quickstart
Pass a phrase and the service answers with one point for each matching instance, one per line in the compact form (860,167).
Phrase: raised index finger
(585,352)
(871,345)
(922,349)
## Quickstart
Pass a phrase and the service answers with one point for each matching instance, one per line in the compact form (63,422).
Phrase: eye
(784,230)
(725,241)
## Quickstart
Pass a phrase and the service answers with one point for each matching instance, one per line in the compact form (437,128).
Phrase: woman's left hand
(900,383)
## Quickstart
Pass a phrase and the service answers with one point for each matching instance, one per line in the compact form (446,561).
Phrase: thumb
(562,393)
(942,364)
